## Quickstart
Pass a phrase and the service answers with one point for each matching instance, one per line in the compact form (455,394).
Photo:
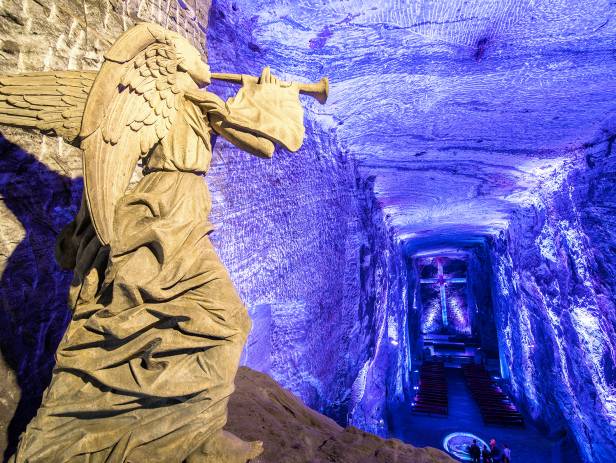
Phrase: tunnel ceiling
(457,108)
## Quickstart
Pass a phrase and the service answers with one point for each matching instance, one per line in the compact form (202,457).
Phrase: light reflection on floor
(458,443)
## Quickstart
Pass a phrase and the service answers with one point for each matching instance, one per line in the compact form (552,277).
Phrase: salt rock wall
(40,181)
(384,379)
(306,245)
(415,311)
(480,299)
(554,281)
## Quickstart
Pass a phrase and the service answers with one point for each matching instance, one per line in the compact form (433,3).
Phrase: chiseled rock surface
(554,284)
(308,248)
(454,106)
(260,409)
(477,121)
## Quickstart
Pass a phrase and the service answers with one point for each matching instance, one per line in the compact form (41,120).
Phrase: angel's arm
(216,110)
(246,141)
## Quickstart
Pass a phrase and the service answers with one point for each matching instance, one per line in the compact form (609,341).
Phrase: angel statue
(146,367)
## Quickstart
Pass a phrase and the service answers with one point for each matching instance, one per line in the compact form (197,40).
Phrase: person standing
(506,454)
(475,452)
(495,452)
(485,455)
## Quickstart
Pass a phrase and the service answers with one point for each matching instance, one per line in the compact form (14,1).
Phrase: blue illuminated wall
(307,245)
(447,122)
(554,283)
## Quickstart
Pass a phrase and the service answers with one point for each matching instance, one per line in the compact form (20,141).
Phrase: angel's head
(140,39)
(189,60)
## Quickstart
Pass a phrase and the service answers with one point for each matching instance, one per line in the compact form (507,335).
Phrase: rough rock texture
(463,112)
(293,433)
(307,246)
(453,106)
(480,299)
(383,381)
(322,284)
(553,289)
(470,301)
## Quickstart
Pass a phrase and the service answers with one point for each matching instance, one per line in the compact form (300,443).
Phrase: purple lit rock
(306,244)
(554,303)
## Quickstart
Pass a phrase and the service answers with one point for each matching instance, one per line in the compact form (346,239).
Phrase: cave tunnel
(435,264)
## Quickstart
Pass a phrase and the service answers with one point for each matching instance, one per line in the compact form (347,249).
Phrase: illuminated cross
(442,281)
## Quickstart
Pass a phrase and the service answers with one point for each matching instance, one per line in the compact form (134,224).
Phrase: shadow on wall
(33,289)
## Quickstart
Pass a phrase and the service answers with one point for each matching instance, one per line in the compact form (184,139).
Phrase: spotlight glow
(458,443)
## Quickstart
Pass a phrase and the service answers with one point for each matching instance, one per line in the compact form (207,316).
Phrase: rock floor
(292,433)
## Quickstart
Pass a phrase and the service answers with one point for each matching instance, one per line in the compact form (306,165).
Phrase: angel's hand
(209,103)
(268,78)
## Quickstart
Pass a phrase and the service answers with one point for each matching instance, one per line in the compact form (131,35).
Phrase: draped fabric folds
(146,367)
(147,363)
(270,111)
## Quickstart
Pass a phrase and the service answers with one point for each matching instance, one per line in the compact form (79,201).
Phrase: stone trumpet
(317,90)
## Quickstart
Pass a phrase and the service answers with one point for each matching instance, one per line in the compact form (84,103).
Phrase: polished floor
(527,445)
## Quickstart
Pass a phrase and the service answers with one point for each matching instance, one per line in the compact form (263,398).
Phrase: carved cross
(442,280)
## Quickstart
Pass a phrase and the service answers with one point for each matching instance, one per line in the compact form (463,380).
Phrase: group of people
(494,454)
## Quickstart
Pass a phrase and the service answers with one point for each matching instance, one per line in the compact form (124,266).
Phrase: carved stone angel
(146,367)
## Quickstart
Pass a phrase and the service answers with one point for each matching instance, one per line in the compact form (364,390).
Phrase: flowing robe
(146,366)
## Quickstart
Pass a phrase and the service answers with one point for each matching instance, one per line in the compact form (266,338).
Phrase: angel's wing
(131,108)
(52,102)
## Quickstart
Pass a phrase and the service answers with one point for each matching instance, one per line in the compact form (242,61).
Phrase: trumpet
(317,90)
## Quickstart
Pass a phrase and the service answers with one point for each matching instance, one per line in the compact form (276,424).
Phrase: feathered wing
(140,105)
(52,102)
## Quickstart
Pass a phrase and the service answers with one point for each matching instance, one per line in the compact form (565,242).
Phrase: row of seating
(495,406)
(432,396)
